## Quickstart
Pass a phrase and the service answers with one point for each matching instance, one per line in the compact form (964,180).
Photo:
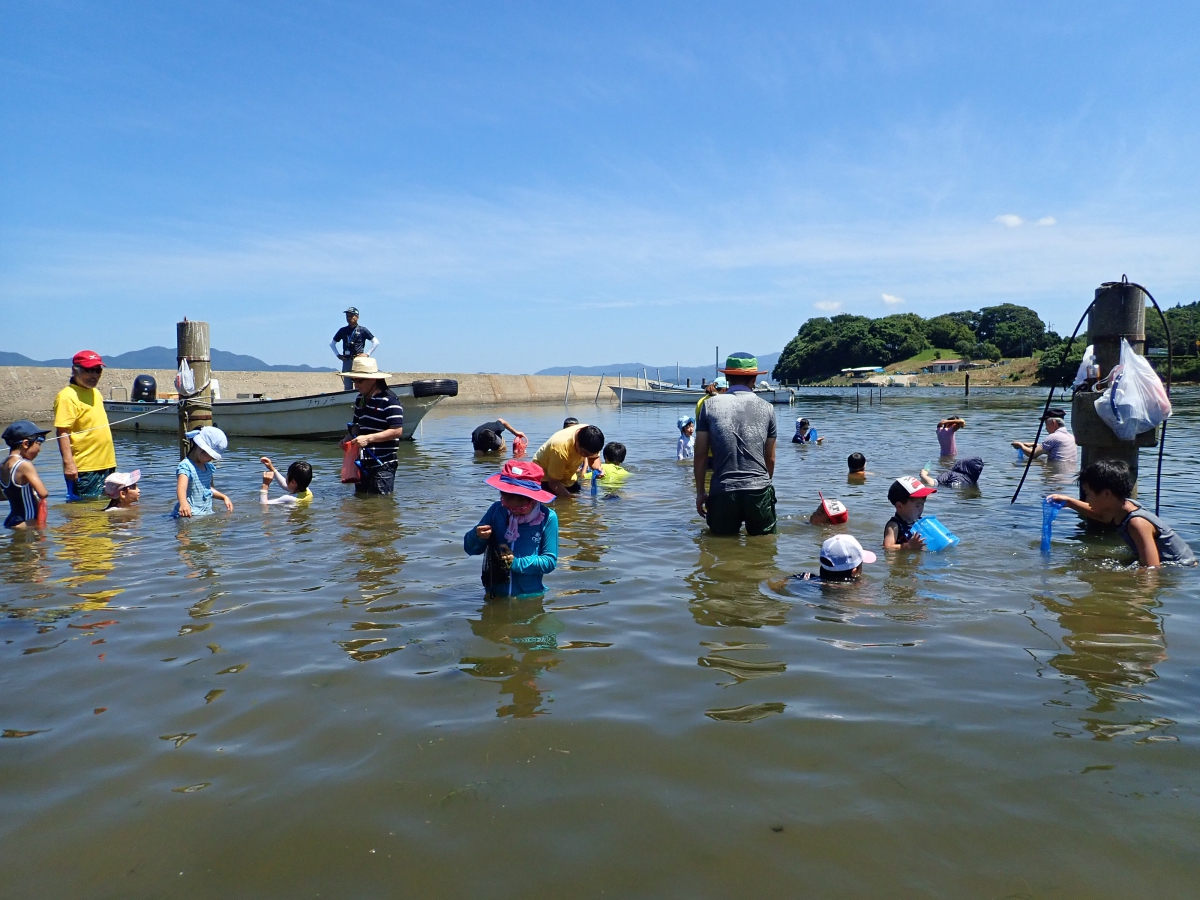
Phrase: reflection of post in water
(1115,639)
(524,625)
(726,582)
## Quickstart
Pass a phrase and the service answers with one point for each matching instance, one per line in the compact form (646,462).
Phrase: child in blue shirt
(686,448)
(193,484)
(518,533)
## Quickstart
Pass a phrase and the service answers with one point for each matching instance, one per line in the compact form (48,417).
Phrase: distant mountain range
(629,370)
(164,358)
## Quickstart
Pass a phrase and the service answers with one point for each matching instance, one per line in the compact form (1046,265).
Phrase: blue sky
(510,186)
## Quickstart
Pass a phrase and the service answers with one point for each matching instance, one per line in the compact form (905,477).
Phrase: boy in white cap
(122,490)
(193,484)
(842,558)
(908,495)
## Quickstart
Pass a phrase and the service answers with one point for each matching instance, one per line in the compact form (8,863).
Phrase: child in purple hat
(518,533)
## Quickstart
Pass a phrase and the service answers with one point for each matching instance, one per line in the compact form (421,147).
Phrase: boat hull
(682,396)
(314,417)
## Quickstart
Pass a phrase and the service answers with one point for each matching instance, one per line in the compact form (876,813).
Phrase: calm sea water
(317,702)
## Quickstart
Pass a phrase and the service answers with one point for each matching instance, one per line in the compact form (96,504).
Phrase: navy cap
(22,430)
(351,310)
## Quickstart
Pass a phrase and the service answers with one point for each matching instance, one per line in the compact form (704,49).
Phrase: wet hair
(804,423)
(487,441)
(856,461)
(300,474)
(897,493)
(614,453)
(1109,475)
(590,439)
(569,421)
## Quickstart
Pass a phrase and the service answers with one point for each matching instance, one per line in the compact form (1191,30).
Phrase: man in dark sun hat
(740,428)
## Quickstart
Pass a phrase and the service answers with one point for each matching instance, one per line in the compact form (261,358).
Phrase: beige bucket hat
(363,367)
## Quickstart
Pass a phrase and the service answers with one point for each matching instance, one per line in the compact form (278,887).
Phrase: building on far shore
(939,366)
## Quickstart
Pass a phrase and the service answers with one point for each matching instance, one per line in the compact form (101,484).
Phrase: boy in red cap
(908,495)
(84,438)
(519,533)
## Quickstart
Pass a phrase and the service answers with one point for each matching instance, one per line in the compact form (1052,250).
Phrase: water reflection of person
(726,587)
(371,547)
(85,543)
(524,625)
(1114,636)
(23,557)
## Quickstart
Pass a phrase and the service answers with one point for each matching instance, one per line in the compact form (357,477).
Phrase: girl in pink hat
(518,533)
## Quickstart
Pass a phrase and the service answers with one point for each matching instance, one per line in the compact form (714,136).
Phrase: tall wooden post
(191,343)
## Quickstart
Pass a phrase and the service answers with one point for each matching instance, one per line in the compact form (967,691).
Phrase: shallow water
(318,702)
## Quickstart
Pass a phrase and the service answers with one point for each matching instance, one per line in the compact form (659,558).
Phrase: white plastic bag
(185,382)
(1135,399)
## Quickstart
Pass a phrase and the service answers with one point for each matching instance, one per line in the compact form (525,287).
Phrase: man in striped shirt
(378,426)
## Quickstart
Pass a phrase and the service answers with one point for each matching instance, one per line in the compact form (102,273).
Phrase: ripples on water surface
(317,702)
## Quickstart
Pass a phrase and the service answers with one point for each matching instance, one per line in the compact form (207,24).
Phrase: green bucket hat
(742,364)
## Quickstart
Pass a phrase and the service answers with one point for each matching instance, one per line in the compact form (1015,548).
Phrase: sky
(510,186)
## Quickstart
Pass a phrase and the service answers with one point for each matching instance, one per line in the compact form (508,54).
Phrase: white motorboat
(316,416)
(662,394)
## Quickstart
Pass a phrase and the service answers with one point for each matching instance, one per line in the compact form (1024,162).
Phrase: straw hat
(364,367)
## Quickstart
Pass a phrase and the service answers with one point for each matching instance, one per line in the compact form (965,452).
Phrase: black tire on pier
(433,387)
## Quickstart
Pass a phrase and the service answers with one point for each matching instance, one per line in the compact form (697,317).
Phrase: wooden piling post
(967,384)
(191,343)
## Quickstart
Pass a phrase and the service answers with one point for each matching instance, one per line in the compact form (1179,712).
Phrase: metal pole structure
(1119,312)
(658,372)
(620,388)
(191,343)
(677,373)
(857,401)
(967,384)
(599,388)
(567,395)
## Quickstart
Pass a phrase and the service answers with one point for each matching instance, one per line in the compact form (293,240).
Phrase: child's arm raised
(1076,504)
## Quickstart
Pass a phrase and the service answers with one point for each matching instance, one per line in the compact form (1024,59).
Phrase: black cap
(22,430)
(1054,412)
(351,310)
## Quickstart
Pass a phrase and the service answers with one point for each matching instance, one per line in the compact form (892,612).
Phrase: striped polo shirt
(375,414)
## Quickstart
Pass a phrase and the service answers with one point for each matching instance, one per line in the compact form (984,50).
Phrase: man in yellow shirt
(84,438)
(562,455)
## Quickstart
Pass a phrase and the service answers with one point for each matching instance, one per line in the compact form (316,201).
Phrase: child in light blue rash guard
(194,474)
(518,533)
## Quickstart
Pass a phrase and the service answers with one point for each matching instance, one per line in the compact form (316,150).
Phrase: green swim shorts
(729,509)
(90,485)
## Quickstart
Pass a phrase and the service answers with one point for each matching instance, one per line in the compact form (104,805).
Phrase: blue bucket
(937,536)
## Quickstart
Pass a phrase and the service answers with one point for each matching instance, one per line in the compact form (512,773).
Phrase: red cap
(834,509)
(914,487)
(88,359)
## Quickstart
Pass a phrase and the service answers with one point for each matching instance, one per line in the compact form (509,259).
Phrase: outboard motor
(145,389)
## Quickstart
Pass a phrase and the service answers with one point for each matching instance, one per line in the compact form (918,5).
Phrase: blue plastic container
(937,536)
(595,482)
(1050,511)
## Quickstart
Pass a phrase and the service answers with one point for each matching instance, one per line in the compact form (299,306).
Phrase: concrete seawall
(27,392)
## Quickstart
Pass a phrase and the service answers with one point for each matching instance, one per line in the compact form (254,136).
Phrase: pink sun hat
(523,478)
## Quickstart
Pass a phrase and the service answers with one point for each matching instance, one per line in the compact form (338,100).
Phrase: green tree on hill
(824,346)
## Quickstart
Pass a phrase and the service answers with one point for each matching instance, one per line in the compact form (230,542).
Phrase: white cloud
(1047,220)
(892,300)
(828,305)
(1009,220)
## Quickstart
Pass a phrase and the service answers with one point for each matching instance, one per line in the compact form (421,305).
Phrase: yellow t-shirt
(559,458)
(80,409)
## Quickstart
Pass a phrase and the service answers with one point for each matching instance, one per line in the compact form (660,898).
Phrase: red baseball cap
(914,487)
(88,359)
(834,509)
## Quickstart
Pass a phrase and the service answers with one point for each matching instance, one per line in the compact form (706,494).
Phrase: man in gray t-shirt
(740,429)
(1058,445)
